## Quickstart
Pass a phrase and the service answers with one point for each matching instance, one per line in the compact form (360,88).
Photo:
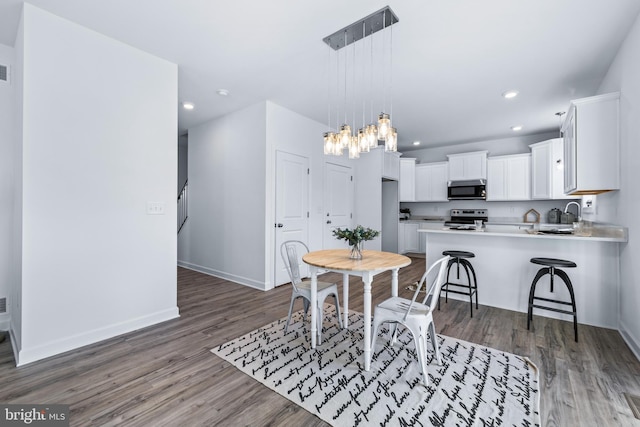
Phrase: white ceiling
(452,60)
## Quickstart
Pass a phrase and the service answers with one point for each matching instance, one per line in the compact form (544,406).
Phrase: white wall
(293,133)
(14,302)
(496,147)
(99,142)
(622,206)
(225,233)
(6,180)
(232,189)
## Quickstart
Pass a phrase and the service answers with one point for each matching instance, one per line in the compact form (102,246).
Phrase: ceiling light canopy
(188,105)
(351,93)
(516,128)
(416,142)
(510,94)
(222,92)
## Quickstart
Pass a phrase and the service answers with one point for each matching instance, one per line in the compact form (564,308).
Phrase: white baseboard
(631,341)
(227,276)
(32,354)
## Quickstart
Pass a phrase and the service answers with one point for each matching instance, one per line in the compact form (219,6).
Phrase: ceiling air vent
(3,305)
(4,73)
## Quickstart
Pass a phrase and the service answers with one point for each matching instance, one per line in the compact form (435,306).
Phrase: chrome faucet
(566,209)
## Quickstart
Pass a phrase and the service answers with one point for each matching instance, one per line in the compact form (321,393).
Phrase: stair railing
(183,205)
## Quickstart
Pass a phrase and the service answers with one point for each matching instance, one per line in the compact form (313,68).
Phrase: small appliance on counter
(465,219)
(554,215)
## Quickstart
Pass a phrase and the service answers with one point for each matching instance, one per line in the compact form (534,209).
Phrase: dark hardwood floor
(165,374)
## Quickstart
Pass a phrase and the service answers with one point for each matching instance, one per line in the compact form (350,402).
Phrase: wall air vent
(3,305)
(4,73)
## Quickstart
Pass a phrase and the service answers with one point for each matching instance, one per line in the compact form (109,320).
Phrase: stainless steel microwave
(473,189)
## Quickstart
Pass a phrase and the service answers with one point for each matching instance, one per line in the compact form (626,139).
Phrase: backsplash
(514,210)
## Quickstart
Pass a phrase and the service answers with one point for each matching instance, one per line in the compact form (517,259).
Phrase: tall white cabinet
(374,207)
(407,181)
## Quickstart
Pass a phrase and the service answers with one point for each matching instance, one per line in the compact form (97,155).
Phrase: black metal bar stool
(459,258)
(551,267)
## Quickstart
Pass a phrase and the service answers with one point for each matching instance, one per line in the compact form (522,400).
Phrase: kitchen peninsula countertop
(599,234)
(504,271)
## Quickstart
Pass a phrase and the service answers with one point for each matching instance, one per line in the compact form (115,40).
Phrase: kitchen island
(505,274)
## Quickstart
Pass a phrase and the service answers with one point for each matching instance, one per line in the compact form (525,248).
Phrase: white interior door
(338,203)
(292,206)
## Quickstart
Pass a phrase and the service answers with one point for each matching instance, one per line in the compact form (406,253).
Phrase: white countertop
(619,236)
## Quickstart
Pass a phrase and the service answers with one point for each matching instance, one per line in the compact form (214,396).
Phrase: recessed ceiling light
(188,105)
(516,128)
(510,94)
(416,142)
(222,92)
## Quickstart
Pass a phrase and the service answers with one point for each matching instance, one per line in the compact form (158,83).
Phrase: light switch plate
(155,208)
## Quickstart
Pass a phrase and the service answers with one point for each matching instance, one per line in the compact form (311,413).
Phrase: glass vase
(356,251)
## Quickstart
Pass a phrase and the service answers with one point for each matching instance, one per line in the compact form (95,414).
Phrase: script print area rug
(475,386)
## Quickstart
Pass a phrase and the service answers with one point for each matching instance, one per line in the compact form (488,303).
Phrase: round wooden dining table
(337,260)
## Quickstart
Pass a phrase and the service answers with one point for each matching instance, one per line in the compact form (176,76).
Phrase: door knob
(328,221)
(279,225)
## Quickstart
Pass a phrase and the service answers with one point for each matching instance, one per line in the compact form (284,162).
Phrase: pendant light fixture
(372,128)
(361,140)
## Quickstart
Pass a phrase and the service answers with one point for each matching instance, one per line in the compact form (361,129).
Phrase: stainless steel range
(463,219)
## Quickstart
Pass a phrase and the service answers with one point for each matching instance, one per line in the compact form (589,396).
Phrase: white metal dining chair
(292,252)
(415,316)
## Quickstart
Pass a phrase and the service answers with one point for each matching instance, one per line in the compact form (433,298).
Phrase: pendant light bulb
(372,135)
(345,135)
(354,152)
(363,141)
(391,140)
(330,142)
(384,123)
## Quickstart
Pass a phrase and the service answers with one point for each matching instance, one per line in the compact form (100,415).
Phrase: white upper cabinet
(547,170)
(381,164)
(391,165)
(509,177)
(431,182)
(468,166)
(592,145)
(407,181)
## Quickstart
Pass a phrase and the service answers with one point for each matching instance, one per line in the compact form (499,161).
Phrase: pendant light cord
(391,75)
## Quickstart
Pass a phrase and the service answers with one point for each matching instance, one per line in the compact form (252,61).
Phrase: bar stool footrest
(557,310)
(551,300)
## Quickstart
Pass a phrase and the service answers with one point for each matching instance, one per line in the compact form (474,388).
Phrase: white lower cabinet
(408,237)
(422,241)
(509,177)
